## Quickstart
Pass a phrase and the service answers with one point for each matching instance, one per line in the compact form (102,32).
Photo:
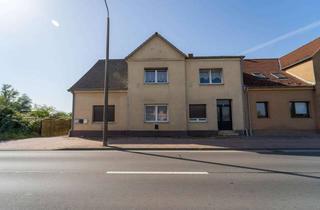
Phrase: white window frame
(210,76)
(156,113)
(198,119)
(156,75)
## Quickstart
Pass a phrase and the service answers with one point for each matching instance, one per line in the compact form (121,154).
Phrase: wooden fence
(55,127)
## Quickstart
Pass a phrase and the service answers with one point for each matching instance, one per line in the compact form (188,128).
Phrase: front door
(224,114)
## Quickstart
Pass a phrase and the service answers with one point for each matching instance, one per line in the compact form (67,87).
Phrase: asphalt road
(89,180)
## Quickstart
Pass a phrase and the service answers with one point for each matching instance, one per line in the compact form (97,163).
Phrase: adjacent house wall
(279,110)
(208,94)
(303,71)
(316,65)
(83,109)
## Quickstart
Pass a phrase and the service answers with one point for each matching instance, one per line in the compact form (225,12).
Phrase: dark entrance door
(224,114)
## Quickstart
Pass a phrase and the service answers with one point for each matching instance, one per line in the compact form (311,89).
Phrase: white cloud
(55,23)
(282,37)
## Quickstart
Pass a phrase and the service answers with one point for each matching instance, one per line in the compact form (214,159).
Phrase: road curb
(167,149)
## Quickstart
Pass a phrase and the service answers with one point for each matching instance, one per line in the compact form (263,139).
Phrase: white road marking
(172,151)
(160,172)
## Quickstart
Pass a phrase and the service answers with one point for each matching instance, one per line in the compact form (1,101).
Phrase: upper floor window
(156,75)
(279,75)
(300,109)
(97,115)
(210,76)
(156,113)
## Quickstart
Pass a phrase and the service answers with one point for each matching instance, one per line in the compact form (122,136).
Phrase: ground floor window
(98,113)
(156,113)
(197,113)
(299,109)
(262,109)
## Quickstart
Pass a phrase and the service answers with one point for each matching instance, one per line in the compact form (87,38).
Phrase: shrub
(18,119)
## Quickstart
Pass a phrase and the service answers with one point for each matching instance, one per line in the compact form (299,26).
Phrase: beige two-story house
(157,90)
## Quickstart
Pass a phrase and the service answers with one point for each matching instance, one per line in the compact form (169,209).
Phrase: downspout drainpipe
(246,89)
(72,116)
(186,95)
(245,101)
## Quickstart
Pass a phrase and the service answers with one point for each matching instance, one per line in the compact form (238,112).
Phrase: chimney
(190,55)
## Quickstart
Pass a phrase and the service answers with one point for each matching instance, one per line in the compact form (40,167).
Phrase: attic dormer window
(259,75)
(279,75)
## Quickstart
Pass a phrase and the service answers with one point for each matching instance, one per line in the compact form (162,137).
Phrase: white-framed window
(156,113)
(259,75)
(211,76)
(158,76)
(279,75)
(197,113)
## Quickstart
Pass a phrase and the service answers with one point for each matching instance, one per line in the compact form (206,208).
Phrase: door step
(228,133)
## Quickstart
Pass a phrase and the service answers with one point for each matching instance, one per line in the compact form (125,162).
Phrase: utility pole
(106,82)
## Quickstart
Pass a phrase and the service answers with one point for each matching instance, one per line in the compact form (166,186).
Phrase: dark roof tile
(94,78)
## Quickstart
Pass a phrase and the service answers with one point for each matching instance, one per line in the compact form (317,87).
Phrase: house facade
(157,90)
(283,93)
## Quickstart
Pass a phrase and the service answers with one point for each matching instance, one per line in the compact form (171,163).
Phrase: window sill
(198,121)
(110,122)
(156,83)
(210,84)
(156,121)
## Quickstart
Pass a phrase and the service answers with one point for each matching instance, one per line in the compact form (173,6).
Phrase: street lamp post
(106,82)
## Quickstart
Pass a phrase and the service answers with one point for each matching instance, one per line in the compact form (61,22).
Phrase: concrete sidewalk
(212,143)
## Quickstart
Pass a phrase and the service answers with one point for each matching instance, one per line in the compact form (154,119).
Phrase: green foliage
(9,94)
(42,111)
(17,117)
(9,135)
(11,98)
(23,104)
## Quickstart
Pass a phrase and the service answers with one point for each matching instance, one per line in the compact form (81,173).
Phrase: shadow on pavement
(240,143)
(292,153)
(220,164)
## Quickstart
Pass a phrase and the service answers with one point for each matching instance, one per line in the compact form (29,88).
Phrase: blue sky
(43,59)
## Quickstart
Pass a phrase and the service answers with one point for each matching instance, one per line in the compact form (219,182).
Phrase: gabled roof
(156,34)
(267,67)
(94,78)
(301,54)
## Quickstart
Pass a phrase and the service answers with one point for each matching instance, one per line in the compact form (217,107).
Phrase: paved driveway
(238,143)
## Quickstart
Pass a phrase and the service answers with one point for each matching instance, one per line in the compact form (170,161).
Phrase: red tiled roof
(267,67)
(301,54)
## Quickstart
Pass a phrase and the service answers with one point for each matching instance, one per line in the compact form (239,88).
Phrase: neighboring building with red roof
(283,93)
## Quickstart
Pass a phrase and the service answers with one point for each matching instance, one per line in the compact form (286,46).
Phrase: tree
(23,104)
(2,101)
(42,111)
(8,94)
(10,97)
